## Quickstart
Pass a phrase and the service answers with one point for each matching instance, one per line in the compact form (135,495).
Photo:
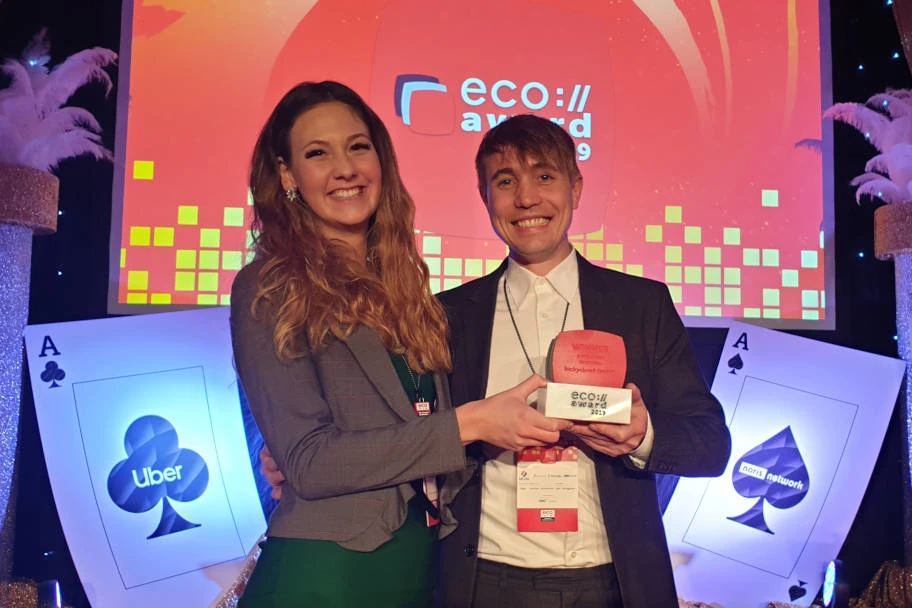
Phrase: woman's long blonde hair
(312,285)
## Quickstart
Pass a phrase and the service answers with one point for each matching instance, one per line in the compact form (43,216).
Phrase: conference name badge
(547,489)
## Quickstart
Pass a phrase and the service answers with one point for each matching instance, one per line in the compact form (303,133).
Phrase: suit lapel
(372,356)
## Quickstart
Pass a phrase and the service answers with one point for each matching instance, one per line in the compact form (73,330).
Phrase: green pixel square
(653,234)
(712,295)
(693,234)
(712,311)
(790,278)
(232,260)
(771,297)
(163,237)
(433,265)
(209,260)
(208,281)
(769,198)
(249,256)
(808,258)
(771,313)
(732,276)
(751,313)
(712,255)
(673,214)
(452,267)
(751,257)
(207,299)
(233,216)
(810,315)
(473,268)
(712,275)
(491,265)
(186,259)
(451,283)
(430,245)
(731,236)
(809,298)
(771,257)
(672,254)
(184,281)
(676,293)
(693,311)
(733,296)
(225,299)
(672,274)
(693,274)
(210,237)
(434,284)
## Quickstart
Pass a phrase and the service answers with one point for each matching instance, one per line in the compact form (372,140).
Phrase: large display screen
(698,129)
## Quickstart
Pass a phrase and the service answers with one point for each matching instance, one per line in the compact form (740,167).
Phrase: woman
(342,352)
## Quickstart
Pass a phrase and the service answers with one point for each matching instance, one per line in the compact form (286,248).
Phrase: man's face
(531,205)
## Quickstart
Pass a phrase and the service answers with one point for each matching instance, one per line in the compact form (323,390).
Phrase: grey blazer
(342,430)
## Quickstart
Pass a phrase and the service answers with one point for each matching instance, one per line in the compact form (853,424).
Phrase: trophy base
(585,403)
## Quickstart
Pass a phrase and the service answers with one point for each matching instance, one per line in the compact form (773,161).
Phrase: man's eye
(505,182)
(545,177)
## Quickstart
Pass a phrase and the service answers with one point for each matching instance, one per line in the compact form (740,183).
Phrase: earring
(291,194)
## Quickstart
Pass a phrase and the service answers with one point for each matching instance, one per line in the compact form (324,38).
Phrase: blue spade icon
(774,472)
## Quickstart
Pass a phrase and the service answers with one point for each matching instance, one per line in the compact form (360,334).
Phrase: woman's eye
(313,153)
(361,145)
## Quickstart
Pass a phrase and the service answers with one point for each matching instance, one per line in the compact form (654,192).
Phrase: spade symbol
(797,591)
(735,363)
(774,472)
(52,373)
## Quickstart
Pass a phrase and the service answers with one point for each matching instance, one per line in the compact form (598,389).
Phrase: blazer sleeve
(319,459)
(691,438)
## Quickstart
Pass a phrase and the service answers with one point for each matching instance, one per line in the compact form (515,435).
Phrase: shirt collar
(564,279)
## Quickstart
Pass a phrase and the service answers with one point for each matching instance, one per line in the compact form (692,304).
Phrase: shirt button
(544,315)
(573,554)
(469,550)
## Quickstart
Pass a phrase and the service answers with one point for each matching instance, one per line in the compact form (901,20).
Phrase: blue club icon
(156,469)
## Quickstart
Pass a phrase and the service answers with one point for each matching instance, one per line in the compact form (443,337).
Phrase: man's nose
(526,195)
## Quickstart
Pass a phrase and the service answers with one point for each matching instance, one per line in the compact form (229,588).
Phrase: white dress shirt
(539,305)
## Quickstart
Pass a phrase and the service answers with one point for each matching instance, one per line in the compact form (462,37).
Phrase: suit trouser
(503,586)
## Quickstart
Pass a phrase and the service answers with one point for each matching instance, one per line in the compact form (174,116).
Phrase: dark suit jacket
(691,438)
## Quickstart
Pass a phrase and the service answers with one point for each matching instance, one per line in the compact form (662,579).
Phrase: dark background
(70,268)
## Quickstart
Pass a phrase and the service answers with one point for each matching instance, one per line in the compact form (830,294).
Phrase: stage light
(835,590)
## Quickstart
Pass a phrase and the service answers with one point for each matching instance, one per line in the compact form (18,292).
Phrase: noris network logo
(156,469)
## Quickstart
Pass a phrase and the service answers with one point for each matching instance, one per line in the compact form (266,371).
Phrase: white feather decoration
(35,129)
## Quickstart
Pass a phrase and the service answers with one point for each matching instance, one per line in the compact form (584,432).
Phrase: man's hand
(271,472)
(507,421)
(616,439)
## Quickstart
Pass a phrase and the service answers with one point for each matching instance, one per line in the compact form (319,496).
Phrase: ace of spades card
(806,420)
(142,434)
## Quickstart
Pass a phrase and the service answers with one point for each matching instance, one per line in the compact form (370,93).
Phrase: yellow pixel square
(673,214)
(580,247)
(615,266)
(163,236)
(186,259)
(672,274)
(207,299)
(233,216)
(712,275)
(614,252)
(160,298)
(123,257)
(210,237)
(712,255)
(184,281)
(140,236)
(672,254)
(732,276)
(693,274)
(187,215)
(451,283)
(208,281)
(452,267)
(209,260)
(138,280)
(473,268)
(635,269)
(143,169)
(693,234)
(712,295)
(731,236)
(675,291)
(491,265)
(137,298)
(595,252)
(653,234)
(598,235)
(232,260)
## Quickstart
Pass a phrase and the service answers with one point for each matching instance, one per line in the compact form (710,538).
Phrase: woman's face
(336,169)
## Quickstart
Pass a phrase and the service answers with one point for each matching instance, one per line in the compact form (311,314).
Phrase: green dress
(294,572)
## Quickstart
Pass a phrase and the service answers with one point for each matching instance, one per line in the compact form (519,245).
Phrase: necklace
(516,327)
(422,406)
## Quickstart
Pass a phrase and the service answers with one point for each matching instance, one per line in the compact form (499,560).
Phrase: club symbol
(773,471)
(735,363)
(156,469)
(797,591)
(52,373)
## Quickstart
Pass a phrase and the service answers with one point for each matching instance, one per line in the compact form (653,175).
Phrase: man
(501,326)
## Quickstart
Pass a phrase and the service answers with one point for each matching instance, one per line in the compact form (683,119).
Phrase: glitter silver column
(16,253)
(28,205)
